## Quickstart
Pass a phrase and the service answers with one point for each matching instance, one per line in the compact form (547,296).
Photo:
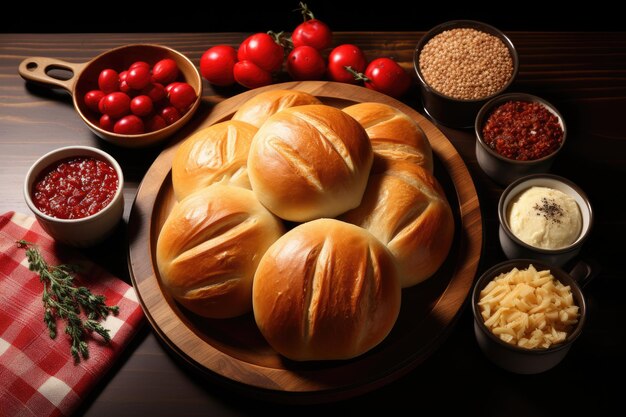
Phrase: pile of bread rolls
(312,217)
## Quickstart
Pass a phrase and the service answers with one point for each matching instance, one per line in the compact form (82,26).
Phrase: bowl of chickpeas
(461,65)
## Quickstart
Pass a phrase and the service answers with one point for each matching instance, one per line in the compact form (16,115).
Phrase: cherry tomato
(129,125)
(92,99)
(155,123)
(305,63)
(250,75)
(169,114)
(386,76)
(139,64)
(263,51)
(141,106)
(182,95)
(138,77)
(155,91)
(116,104)
(107,122)
(165,71)
(101,105)
(345,56)
(123,76)
(124,87)
(169,87)
(313,33)
(217,63)
(108,81)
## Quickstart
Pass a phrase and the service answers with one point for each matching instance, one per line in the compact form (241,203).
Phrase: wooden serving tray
(234,351)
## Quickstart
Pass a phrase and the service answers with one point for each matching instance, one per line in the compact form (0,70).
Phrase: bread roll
(394,135)
(309,162)
(405,207)
(210,246)
(325,290)
(216,154)
(259,108)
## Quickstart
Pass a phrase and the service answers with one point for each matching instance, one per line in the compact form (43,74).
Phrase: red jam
(75,188)
(523,131)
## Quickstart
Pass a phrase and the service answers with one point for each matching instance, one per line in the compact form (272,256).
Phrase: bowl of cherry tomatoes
(133,96)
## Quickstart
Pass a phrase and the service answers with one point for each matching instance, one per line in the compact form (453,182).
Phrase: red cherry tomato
(108,81)
(138,77)
(169,114)
(92,99)
(386,76)
(250,75)
(182,95)
(217,63)
(124,87)
(165,71)
(155,91)
(141,106)
(123,76)
(313,33)
(261,49)
(155,123)
(345,56)
(107,122)
(116,104)
(169,87)
(139,64)
(305,63)
(129,125)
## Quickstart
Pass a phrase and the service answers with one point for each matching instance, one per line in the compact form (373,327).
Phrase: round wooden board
(234,351)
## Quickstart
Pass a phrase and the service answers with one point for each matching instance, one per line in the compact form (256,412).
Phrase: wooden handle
(36,69)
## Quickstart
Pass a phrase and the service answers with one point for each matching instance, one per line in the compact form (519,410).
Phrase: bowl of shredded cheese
(527,314)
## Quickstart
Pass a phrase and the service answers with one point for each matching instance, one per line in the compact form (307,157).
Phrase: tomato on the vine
(305,63)
(343,56)
(312,32)
(263,51)
(217,63)
(386,76)
(250,75)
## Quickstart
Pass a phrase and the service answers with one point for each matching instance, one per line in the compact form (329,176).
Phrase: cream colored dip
(545,218)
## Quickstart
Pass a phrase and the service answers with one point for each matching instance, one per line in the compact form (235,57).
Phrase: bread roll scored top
(405,207)
(259,108)
(309,162)
(326,290)
(210,246)
(216,154)
(393,134)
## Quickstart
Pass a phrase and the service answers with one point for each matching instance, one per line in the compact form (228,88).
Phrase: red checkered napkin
(38,376)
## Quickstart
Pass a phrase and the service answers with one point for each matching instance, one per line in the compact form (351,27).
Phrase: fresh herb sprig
(62,299)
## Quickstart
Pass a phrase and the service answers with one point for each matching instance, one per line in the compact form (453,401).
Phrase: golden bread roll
(218,153)
(325,290)
(405,207)
(210,246)
(394,135)
(309,162)
(259,108)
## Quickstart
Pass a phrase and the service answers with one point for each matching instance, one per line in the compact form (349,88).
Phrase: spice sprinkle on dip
(545,218)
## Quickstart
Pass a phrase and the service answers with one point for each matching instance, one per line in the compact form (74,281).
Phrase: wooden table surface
(583,74)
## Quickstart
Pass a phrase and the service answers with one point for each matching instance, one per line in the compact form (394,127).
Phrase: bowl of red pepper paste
(76,194)
(518,134)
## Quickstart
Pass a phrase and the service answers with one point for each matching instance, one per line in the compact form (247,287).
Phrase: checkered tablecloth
(38,376)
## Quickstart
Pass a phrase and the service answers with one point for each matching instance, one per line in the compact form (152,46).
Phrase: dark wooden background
(583,74)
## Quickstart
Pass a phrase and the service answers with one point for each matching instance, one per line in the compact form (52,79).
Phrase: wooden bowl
(234,352)
(85,78)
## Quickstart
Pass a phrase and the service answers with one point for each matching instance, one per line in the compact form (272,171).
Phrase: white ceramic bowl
(89,230)
(514,248)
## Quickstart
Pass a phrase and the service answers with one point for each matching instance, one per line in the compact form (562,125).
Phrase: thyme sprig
(62,299)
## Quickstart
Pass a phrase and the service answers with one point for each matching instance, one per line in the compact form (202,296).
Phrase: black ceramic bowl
(514,358)
(499,168)
(450,111)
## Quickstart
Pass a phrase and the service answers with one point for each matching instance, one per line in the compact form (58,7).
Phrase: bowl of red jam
(517,135)
(76,194)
